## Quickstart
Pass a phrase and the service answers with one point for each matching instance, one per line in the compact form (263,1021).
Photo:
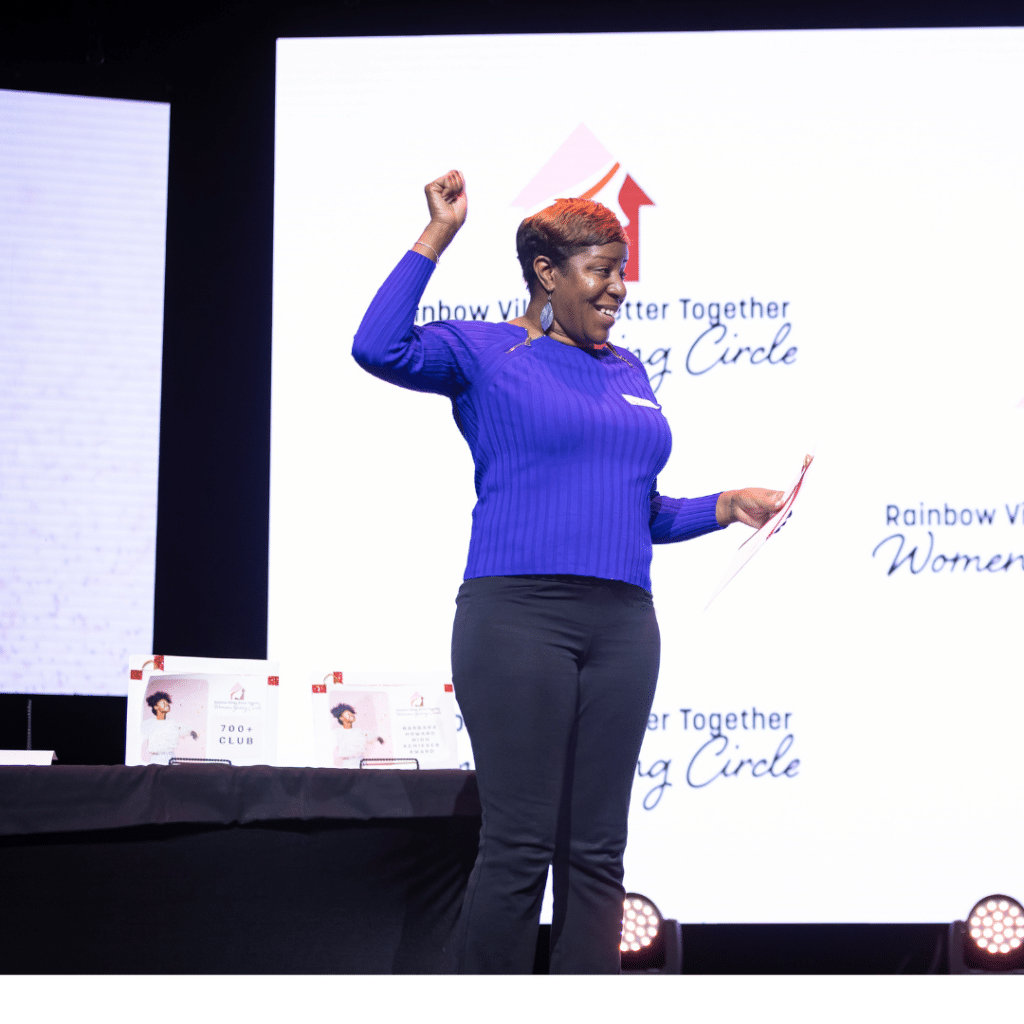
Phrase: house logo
(582,168)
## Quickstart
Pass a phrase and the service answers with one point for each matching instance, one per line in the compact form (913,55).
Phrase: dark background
(214,63)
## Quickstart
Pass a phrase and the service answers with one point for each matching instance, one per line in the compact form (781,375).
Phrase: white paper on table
(142,666)
(27,757)
(402,718)
(223,716)
(756,541)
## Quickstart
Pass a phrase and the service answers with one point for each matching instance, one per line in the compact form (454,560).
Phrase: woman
(555,617)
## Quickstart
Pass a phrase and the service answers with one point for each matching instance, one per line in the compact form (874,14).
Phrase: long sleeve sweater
(567,443)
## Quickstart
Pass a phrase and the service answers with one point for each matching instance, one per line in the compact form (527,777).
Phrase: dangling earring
(547,316)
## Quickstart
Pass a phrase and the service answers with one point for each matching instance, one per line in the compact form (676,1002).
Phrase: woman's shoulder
(478,346)
(481,337)
(477,327)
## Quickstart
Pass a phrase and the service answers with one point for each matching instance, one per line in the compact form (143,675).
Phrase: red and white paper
(385,720)
(756,541)
(214,710)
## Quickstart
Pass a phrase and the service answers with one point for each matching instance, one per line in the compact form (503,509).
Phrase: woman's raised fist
(446,200)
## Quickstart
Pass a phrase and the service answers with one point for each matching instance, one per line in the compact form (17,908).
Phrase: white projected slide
(83,200)
(826,259)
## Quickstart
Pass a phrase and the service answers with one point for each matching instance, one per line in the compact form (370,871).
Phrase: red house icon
(582,167)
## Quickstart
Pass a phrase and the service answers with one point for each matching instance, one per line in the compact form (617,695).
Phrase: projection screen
(826,260)
(83,204)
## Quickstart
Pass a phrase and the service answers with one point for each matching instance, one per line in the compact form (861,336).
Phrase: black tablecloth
(218,869)
(71,799)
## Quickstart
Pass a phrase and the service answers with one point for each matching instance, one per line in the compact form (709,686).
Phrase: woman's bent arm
(388,344)
(674,519)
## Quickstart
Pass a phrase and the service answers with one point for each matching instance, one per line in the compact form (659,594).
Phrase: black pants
(555,677)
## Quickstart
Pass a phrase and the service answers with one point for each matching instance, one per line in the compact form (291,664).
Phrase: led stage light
(997,926)
(648,943)
(991,939)
(641,923)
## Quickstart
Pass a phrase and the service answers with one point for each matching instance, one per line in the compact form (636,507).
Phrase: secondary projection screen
(83,207)
(826,260)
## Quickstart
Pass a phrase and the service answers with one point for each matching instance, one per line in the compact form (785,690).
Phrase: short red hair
(564,229)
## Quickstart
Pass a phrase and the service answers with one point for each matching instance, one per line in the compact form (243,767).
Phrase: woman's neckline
(596,351)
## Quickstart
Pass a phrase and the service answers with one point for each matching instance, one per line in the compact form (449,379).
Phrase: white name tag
(633,400)
(27,757)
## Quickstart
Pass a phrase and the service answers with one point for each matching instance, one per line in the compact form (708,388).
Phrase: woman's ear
(545,271)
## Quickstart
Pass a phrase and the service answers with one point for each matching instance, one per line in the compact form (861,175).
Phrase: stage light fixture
(641,923)
(997,926)
(992,937)
(648,944)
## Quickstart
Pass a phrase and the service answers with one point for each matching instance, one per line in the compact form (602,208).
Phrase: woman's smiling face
(585,294)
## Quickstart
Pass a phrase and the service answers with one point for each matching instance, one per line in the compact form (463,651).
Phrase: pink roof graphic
(582,167)
(580,156)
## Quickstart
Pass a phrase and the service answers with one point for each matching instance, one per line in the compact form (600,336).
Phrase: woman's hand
(752,506)
(446,200)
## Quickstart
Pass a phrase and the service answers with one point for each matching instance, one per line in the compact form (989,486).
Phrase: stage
(825,748)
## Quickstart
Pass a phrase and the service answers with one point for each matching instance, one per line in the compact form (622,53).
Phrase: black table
(216,869)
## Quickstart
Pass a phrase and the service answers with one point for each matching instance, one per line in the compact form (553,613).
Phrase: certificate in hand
(756,541)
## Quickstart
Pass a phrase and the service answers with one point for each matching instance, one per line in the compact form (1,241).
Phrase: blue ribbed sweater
(567,443)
